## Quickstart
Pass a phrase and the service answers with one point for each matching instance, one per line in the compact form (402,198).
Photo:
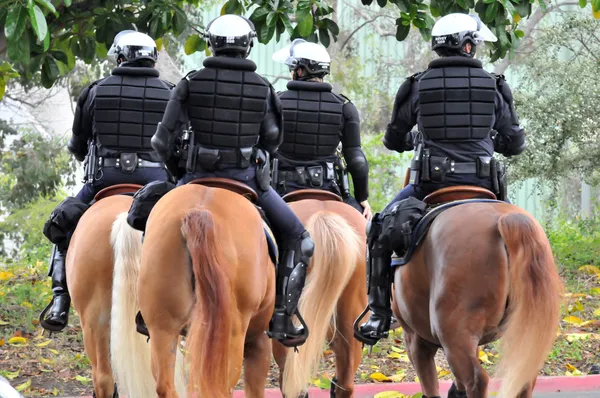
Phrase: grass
(58,366)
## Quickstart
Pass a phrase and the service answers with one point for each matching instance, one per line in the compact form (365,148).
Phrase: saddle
(438,202)
(231,185)
(316,194)
(119,189)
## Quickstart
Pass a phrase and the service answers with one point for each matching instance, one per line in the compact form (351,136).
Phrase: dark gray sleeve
(404,117)
(172,120)
(358,166)
(510,139)
(271,129)
(82,123)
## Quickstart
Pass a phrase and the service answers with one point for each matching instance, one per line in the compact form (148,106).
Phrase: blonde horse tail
(211,322)
(533,303)
(130,351)
(332,265)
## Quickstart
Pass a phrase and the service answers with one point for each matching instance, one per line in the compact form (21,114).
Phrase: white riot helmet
(313,58)
(230,35)
(451,32)
(130,46)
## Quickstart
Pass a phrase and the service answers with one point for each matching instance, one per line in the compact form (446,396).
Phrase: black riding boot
(291,274)
(379,286)
(59,307)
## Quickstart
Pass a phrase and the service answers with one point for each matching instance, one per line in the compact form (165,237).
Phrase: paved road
(590,394)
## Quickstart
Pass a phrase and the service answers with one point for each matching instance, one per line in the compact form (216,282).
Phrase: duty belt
(313,176)
(210,159)
(128,162)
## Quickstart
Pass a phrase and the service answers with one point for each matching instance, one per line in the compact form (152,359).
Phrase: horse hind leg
(163,349)
(96,342)
(422,354)
(257,361)
(464,363)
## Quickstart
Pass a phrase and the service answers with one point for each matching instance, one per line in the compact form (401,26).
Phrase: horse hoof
(454,393)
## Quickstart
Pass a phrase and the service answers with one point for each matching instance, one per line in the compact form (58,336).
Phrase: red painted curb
(548,384)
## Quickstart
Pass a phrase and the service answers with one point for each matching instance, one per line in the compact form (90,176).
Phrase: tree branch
(536,17)
(359,27)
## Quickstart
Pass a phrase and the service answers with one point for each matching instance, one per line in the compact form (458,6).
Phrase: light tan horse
(205,267)
(89,265)
(333,297)
(484,271)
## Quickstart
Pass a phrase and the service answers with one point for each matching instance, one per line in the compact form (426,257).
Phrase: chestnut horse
(205,267)
(89,268)
(484,271)
(334,295)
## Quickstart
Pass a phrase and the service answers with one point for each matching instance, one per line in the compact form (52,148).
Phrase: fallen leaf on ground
(597,312)
(398,377)
(46,361)
(576,307)
(17,340)
(398,350)
(577,336)
(595,291)
(443,373)
(389,394)
(1,342)
(82,379)
(55,392)
(6,275)
(44,344)
(573,320)
(53,351)
(3,323)
(24,386)
(379,377)
(590,269)
(11,375)
(483,357)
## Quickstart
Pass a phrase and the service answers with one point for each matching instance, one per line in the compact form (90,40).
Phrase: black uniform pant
(287,228)
(114,175)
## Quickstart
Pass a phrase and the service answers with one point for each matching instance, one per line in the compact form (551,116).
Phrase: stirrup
(370,341)
(49,327)
(296,341)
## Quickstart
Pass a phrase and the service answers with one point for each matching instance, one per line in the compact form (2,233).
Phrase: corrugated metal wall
(524,195)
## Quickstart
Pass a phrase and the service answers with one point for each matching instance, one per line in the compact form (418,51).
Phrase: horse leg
(348,354)
(96,342)
(421,354)
(257,361)
(528,391)
(457,390)
(163,350)
(464,363)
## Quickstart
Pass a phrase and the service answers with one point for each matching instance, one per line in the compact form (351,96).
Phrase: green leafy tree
(557,103)
(32,165)
(44,38)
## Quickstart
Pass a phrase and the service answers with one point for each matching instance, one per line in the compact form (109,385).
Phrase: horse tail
(130,352)
(332,265)
(212,316)
(534,299)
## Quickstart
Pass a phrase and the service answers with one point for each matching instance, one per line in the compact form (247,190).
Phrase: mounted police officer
(114,123)
(235,119)
(316,121)
(463,114)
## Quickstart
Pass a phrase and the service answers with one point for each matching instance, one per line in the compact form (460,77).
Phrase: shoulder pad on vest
(86,91)
(168,83)
(346,99)
(414,76)
(190,73)
(405,89)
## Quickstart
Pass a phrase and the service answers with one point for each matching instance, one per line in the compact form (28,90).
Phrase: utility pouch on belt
(315,175)
(484,165)
(207,158)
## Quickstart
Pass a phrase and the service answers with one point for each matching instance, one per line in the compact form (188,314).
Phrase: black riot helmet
(451,32)
(230,35)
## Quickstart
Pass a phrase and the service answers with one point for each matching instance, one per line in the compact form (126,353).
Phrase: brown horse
(334,295)
(484,271)
(89,268)
(205,267)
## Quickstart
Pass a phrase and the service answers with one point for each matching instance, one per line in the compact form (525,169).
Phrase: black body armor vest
(457,100)
(227,103)
(128,106)
(313,120)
